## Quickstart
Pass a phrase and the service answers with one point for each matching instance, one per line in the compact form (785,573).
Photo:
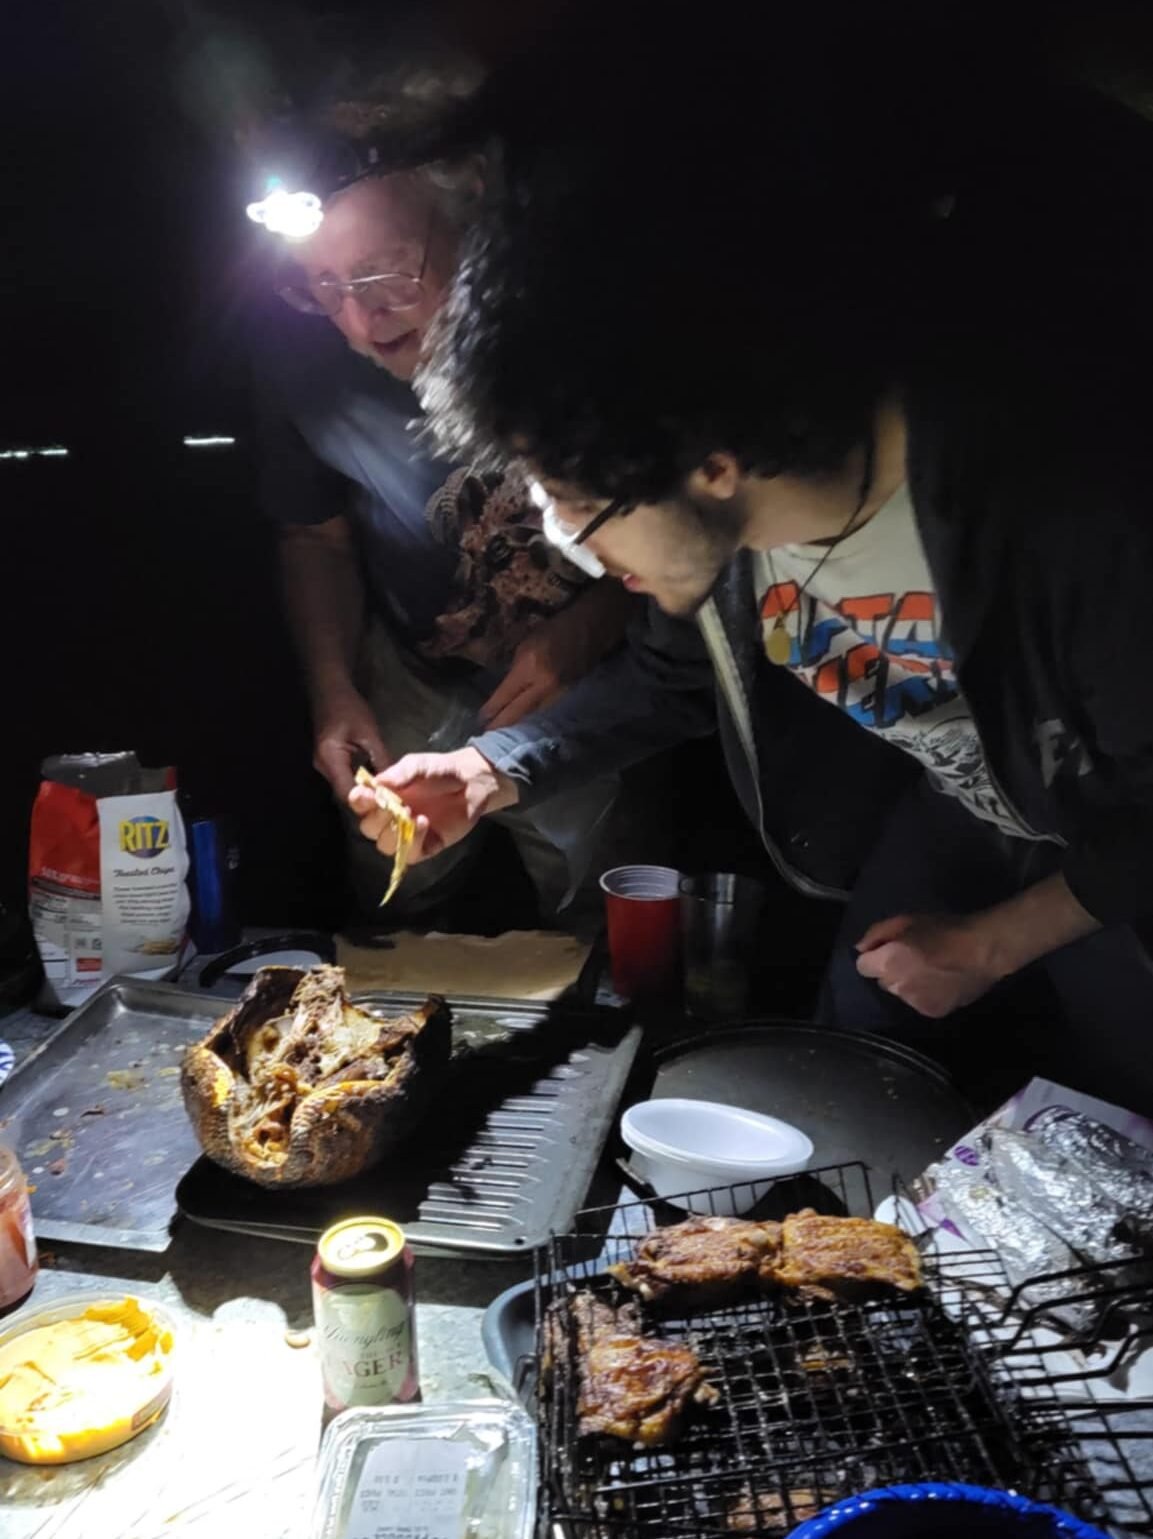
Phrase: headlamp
(324,165)
(295,215)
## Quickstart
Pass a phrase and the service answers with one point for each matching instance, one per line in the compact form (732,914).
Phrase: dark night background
(139,601)
(140,607)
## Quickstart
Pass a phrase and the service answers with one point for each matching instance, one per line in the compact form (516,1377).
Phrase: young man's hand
(561,650)
(933,965)
(938,963)
(448,793)
(346,735)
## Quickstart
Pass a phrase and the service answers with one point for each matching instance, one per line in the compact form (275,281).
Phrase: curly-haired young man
(876,424)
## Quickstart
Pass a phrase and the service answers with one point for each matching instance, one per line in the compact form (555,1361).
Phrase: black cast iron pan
(858,1097)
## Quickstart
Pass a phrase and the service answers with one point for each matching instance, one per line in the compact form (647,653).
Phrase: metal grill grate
(818,1400)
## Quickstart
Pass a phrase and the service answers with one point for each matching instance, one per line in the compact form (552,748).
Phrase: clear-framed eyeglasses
(568,541)
(375,291)
(378,291)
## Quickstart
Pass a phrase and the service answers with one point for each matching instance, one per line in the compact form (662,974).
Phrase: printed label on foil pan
(410,1489)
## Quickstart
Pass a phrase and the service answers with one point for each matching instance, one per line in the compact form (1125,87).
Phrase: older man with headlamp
(425,600)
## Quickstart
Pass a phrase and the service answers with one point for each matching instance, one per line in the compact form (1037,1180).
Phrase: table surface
(235,1453)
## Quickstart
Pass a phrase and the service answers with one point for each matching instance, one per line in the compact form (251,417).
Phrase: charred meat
(633,1387)
(298,1087)
(702,1263)
(709,1262)
(818,1253)
(774,1512)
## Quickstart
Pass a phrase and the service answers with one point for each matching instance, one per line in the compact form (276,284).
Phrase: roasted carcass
(631,1386)
(702,1263)
(298,1087)
(708,1262)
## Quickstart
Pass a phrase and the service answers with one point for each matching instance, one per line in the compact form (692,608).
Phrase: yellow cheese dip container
(82,1376)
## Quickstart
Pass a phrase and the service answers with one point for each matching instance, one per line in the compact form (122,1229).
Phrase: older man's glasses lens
(379,291)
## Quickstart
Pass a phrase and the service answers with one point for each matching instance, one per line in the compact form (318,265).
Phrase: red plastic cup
(642,904)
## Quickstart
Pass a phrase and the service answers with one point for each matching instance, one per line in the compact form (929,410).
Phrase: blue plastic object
(508,1329)
(935,1510)
(212,880)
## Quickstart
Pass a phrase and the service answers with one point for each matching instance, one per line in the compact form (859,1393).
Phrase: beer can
(364,1303)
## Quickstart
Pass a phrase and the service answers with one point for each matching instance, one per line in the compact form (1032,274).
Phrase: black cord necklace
(778,643)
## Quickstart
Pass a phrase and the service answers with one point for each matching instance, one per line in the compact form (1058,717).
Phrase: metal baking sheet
(505,1155)
(95,1116)
(857,1097)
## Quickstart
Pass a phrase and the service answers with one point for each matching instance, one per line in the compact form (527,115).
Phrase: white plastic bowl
(681,1146)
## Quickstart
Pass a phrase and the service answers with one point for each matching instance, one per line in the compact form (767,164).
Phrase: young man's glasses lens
(571,542)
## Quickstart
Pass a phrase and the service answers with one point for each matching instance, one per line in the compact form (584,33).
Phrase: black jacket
(1038,527)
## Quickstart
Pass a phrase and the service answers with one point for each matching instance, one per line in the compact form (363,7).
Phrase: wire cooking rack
(1062,1346)
(817,1399)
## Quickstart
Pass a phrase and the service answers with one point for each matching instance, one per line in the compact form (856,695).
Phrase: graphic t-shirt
(865,635)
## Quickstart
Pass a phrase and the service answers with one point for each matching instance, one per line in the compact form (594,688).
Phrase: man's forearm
(324,597)
(653,693)
(1031,924)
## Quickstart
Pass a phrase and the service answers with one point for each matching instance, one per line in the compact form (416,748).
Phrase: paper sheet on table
(522,964)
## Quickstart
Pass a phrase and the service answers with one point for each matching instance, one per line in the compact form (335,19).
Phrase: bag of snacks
(107,871)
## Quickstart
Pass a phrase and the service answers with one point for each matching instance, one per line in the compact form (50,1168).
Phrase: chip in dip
(82,1378)
(403,822)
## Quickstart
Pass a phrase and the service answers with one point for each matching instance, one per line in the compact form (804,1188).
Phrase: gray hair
(403,106)
(456,186)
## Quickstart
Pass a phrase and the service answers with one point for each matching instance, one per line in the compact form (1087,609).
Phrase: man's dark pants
(1083,1015)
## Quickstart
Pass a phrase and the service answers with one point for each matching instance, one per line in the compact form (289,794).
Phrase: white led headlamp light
(295,215)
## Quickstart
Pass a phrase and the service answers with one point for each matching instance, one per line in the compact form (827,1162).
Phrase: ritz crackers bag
(106,871)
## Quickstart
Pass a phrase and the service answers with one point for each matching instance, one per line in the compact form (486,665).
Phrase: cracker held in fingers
(403,821)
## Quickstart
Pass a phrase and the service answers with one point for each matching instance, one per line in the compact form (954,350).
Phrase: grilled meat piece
(631,1386)
(703,1263)
(818,1252)
(710,1262)
(298,1087)
(772,1512)
(821,1365)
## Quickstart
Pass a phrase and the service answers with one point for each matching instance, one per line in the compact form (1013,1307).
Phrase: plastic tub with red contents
(18,1263)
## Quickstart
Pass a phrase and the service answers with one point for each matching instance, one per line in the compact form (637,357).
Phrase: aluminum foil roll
(1027,1248)
(1053,1189)
(1116,1166)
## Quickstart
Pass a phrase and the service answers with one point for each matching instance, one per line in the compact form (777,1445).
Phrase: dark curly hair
(618,365)
(661,272)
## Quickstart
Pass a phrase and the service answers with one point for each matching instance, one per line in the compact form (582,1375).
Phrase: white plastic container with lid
(465,1467)
(692,1147)
(18,1263)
